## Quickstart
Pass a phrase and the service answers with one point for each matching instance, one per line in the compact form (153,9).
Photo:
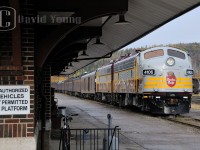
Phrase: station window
(155,53)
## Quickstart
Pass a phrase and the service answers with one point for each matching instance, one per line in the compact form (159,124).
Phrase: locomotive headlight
(170,61)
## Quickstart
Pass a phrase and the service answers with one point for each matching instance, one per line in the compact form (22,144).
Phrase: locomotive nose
(177,80)
(168,80)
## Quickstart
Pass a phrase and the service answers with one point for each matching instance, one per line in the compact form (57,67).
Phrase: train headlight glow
(170,61)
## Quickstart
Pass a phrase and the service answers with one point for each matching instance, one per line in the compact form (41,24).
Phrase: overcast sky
(184,29)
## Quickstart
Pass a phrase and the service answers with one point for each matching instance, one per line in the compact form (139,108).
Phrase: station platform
(85,121)
(138,131)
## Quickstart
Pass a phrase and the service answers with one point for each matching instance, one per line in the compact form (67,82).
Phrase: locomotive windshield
(175,53)
(155,53)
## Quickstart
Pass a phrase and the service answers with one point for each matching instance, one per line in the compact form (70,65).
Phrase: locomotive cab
(167,80)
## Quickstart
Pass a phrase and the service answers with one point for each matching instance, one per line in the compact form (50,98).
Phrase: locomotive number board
(148,72)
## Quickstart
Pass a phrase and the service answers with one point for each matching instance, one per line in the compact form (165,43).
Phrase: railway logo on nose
(171,79)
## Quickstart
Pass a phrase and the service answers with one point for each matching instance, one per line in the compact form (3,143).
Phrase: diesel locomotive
(158,80)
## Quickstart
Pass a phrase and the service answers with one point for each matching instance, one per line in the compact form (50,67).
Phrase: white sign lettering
(14,100)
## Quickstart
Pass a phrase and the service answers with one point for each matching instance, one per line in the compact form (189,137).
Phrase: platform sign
(14,100)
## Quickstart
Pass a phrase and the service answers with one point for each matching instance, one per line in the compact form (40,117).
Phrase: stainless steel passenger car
(88,85)
(68,86)
(77,86)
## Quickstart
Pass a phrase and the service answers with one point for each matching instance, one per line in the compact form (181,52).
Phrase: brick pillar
(43,103)
(47,90)
(44,93)
(17,68)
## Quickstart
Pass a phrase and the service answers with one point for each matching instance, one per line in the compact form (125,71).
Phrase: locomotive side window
(154,53)
(175,53)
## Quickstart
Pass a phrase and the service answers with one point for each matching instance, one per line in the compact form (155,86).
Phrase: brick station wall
(12,74)
(47,90)
(42,104)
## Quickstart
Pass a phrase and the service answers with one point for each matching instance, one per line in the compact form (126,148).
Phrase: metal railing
(95,139)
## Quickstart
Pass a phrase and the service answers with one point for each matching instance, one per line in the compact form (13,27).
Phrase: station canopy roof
(75,27)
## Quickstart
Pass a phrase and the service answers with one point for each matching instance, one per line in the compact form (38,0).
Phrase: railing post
(106,139)
(109,121)
(109,129)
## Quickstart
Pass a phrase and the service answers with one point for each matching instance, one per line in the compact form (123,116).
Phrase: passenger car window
(154,53)
(175,53)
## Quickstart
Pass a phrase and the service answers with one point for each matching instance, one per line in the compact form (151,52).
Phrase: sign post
(14,100)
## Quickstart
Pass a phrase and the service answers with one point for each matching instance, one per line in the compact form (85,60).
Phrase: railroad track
(195,103)
(187,121)
(196,99)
